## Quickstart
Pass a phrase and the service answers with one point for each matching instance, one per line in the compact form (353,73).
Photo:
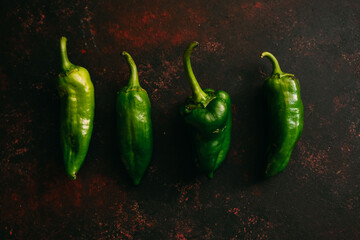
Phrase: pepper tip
(73,176)
(264,54)
(136,181)
(276,66)
(194,43)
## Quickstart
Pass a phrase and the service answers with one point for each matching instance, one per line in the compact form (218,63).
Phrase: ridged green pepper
(133,110)
(77,112)
(208,116)
(285,116)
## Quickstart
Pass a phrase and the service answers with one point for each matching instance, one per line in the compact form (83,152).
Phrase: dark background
(316,197)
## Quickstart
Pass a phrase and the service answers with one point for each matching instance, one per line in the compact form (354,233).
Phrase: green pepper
(207,114)
(285,117)
(134,129)
(77,112)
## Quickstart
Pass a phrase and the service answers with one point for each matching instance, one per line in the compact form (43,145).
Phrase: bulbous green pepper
(208,116)
(133,110)
(77,112)
(285,115)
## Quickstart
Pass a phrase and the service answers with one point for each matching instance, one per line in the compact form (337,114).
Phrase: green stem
(134,80)
(66,64)
(198,94)
(275,62)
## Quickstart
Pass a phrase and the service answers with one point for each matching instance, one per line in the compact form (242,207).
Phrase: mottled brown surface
(317,197)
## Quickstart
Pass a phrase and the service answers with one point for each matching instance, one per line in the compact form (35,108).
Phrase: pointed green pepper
(285,115)
(208,116)
(134,129)
(77,112)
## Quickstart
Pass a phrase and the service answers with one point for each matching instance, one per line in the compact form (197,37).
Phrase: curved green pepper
(77,112)
(286,116)
(208,116)
(133,110)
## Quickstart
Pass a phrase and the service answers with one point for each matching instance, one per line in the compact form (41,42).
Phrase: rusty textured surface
(317,197)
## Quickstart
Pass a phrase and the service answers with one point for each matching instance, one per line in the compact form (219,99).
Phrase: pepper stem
(274,61)
(198,94)
(66,64)
(134,80)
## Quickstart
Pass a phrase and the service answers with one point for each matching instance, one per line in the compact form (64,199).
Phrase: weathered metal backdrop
(316,197)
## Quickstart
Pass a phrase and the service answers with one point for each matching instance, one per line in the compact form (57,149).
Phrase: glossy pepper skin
(285,116)
(208,116)
(77,112)
(134,129)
